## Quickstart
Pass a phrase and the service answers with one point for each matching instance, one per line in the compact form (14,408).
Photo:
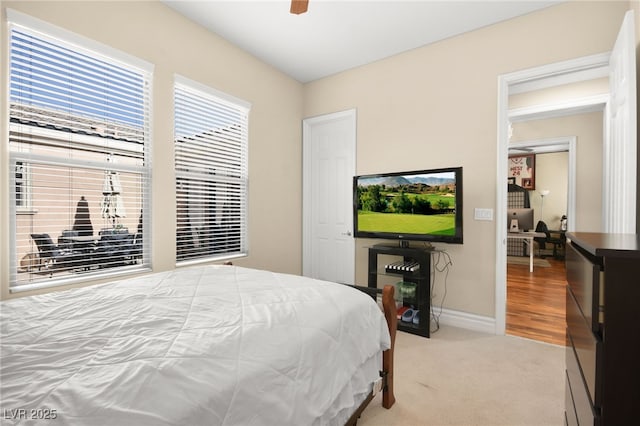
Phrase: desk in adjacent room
(527,237)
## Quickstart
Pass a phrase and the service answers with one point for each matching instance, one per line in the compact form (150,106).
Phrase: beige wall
(588,130)
(552,174)
(437,105)
(155,33)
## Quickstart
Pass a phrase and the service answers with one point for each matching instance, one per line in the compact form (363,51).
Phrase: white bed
(218,345)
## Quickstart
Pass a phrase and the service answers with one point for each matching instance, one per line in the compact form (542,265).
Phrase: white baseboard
(465,320)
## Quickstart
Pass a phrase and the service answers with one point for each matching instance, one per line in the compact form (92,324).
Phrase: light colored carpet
(515,260)
(462,377)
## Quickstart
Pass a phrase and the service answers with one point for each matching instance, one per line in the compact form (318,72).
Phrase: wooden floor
(536,302)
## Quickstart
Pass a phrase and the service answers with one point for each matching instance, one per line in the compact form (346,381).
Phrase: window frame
(97,51)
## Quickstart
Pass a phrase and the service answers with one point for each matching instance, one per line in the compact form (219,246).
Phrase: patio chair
(64,240)
(52,256)
(114,249)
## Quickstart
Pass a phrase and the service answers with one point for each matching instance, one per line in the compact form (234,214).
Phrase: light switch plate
(483,214)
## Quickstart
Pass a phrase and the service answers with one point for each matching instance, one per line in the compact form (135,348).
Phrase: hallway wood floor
(536,302)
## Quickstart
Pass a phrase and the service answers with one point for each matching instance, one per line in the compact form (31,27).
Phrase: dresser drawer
(584,410)
(570,416)
(585,345)
(583,277)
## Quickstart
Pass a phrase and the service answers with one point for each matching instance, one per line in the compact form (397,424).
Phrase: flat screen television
(424,205)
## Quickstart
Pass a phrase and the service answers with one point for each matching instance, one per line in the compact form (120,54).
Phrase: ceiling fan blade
(299,6)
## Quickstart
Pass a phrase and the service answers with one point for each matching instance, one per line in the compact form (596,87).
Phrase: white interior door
(620,150)
(329,145)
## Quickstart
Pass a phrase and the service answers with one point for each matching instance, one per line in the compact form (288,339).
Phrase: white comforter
(218,345)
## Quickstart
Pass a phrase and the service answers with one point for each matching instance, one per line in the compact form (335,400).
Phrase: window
(22,186)
(211,173)
(78,152)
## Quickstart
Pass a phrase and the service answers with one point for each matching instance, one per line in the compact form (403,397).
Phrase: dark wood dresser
(603,329)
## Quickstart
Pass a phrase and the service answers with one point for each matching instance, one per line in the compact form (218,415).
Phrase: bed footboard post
(389,307)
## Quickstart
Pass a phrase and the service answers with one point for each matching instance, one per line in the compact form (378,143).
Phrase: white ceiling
(337,35)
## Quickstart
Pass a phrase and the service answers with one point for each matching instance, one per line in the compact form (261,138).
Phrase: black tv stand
(415,267)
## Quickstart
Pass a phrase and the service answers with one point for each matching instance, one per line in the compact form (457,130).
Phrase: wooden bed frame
(389,309)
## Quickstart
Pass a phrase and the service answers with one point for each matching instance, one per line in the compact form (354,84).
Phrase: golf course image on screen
(415,204)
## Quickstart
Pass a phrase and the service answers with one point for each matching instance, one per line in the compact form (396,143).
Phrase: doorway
(535,306)
(551,111)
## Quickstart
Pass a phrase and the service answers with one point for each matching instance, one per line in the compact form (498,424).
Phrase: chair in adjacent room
(558,242)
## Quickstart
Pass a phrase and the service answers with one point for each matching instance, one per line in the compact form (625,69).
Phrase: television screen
(420,205)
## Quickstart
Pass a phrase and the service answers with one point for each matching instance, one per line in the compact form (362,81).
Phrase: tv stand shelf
(415,267)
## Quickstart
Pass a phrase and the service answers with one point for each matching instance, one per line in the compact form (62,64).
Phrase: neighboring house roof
(74,123)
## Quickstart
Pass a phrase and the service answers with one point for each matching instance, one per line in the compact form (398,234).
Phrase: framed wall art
(523,169)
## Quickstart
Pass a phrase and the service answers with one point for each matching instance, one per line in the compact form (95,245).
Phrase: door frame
(307,182)
(620,153)
(573,70)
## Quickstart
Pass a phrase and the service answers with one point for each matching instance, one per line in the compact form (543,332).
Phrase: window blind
(211,173)
(78,142)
